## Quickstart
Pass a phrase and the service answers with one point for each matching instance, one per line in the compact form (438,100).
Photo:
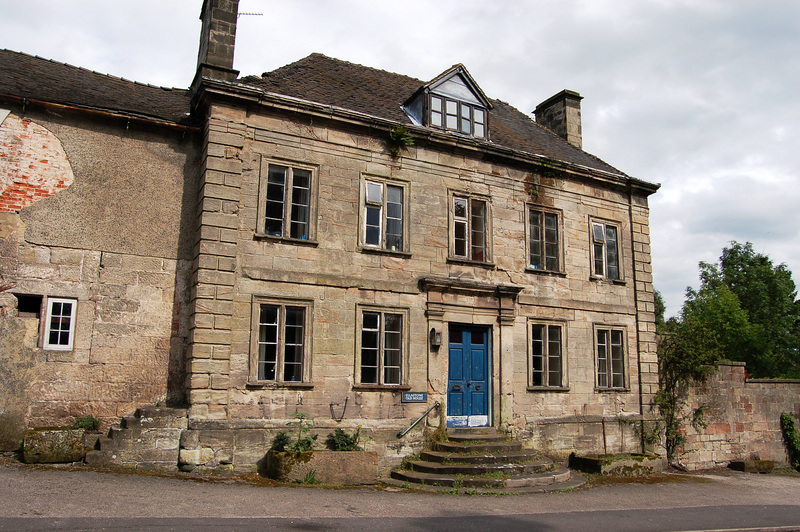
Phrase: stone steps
(150,439)
(480,461)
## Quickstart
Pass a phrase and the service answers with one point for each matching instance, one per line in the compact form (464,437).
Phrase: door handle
(456,387)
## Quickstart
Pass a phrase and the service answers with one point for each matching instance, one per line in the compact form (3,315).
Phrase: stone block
(53,445)
(345,468)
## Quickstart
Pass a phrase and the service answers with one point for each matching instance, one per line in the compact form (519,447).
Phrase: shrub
(341,441)
(86,423)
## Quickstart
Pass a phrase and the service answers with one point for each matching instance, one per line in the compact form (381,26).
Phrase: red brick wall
(33,164)
(742,417)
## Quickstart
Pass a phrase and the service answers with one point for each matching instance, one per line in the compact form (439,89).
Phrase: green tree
(687,351)
(752,306)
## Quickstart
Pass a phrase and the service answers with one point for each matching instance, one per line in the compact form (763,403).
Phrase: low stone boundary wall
(742,419)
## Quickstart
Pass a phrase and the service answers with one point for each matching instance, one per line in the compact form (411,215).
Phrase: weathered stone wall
(742,419)
(233,266)
(114,237)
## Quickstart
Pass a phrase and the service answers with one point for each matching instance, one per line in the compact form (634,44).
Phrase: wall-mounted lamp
(436,338)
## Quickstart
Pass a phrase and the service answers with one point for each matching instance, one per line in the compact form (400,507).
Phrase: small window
(383,216)
(455,115)
(280,342)
(547,356)
(469,237)
(381,348)
(29,306)
(286,202)
(610,358)
(543,241)
(605,251)
(59,328)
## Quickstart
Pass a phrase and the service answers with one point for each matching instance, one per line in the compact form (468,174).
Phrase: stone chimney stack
(217,40)
(561,114)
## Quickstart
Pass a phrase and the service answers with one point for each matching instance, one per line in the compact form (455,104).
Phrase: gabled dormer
(451,102)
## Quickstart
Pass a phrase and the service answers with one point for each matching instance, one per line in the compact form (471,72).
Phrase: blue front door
(468,379)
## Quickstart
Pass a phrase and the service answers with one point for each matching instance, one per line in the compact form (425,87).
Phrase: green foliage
(753,307)
(86,423)
(339,440)
(399,138)
(660,309)
(310,477)
(304,441)
(791,439)
(281,440)
(687,350)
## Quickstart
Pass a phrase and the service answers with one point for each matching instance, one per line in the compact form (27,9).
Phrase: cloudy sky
(702,96)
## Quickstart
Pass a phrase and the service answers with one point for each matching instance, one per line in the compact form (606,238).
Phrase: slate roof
(375,92)
(35,78)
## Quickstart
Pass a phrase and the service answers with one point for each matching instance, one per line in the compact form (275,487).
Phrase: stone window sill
(285,240)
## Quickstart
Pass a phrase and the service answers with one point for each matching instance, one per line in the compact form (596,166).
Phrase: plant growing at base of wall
(399,138)
(339,440)
(687,351)
(791,439)
(303,440)
(89,423)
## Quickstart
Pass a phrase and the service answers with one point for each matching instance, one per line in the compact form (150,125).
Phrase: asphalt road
(45,498)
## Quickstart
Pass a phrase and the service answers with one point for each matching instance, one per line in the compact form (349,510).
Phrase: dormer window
(451,102)
(455,115)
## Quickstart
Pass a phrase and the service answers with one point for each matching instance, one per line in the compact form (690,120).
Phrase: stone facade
(165,239)
(742,419)
(84,232)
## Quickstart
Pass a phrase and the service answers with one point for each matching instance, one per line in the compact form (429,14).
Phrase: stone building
(325,238)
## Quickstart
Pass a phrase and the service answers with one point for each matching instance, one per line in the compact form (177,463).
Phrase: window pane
(598,233)
(394,218)
(452,107)
(551,241)
(602,359)
(372,235)
(477,116)
(554,356)
(535,242)
(267,342)
(275,201)
(617,359)
(436,119)
(460,208)
(374,192)
(436,103)
(465,126)
(452,121)
(599,265)
(369,347)
(301,198)
(460,240)
(479,130)
(612,252)
(478,230)
(537,354)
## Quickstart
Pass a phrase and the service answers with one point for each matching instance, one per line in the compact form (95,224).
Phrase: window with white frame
(280,343)
(381,347)
(383,215)
(543,240)
(605,250)
(470,229)
(454,115)
(59,330)
(610,346)
(547,355)
(286,202)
